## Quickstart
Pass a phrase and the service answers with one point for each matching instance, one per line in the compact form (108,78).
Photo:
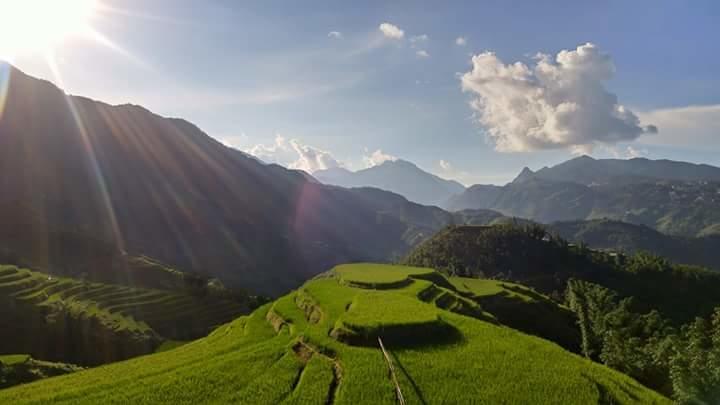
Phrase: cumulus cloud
(556,103)
(460,41)
(445,165)
(295,155)
(311,159)
(272,152)
(391,31)
(422,54)
(335,35)
(685,126)
(377,158)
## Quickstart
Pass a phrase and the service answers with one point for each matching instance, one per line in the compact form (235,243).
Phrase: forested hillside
(639,314)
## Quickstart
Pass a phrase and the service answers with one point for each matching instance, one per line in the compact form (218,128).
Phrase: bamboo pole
(400,397)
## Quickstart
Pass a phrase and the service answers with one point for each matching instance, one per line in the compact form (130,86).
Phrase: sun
(39,26)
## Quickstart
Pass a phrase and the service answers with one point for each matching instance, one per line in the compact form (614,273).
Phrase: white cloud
(294,155)
(311,159)
(391,31)
(275,152)
(422,54)
(685,126)
(233,141)
(460,41)
(335,35)
(631,152)
(377,158)
(445,165)
(419,38)
(557,103)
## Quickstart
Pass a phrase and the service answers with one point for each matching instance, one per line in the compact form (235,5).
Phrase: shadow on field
(415,387)
(436,333)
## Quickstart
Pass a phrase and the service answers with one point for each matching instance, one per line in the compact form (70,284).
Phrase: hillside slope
(74,321)
(673,207)
(282,353)
(148,185)
(530,255)
(631,238)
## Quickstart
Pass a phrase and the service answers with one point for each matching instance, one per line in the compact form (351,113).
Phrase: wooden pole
(400,397)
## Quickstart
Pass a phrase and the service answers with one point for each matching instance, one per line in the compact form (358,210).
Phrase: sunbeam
(90,153)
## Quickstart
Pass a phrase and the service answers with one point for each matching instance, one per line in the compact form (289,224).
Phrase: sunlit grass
(249,361)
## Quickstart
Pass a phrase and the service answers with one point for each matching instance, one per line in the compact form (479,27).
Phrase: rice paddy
(286,352)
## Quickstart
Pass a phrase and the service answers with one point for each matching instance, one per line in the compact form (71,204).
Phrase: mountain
(589,171)
(630,238)
(399,176)
(319,345)
(138,183)
(685,202)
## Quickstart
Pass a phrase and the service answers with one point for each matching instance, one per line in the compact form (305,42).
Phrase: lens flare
(37,26)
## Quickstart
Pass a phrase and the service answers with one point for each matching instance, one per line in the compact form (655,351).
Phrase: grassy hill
(21,368)
(65,319)
(530,255)
(317,345)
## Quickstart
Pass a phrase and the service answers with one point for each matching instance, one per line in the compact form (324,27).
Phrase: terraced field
(173,315)
(521,308)
(292,352)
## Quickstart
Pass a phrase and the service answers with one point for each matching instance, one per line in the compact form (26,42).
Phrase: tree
(695,365)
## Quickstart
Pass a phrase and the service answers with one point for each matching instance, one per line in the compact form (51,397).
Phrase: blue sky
(268,73)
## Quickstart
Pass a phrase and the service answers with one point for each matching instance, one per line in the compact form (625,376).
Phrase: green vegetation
(63,319)
(370,275)
(520,307)
(283,353)
(21,368)
(641,315)
(12,359)
(631,238)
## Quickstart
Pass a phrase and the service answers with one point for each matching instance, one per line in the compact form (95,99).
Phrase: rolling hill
(88,323)
(399,176)
(630,238)
(530,255)
(319,344)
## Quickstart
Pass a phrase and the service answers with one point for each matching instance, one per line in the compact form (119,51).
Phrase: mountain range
(124,177)
(673,197)
(83,183)
(589,171)
(399,176)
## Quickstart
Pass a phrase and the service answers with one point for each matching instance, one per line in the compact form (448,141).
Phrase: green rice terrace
(320,344)
(100,322)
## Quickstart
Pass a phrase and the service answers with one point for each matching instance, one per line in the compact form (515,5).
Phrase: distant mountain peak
(587,158)
(398,163)
(399,176)
(525,175)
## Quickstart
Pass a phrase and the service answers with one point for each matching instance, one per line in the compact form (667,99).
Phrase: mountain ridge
(399,176)
(162,187)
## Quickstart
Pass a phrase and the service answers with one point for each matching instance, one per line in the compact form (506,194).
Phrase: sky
(468,90)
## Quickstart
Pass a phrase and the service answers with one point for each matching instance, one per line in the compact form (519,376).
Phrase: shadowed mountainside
(148,185)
